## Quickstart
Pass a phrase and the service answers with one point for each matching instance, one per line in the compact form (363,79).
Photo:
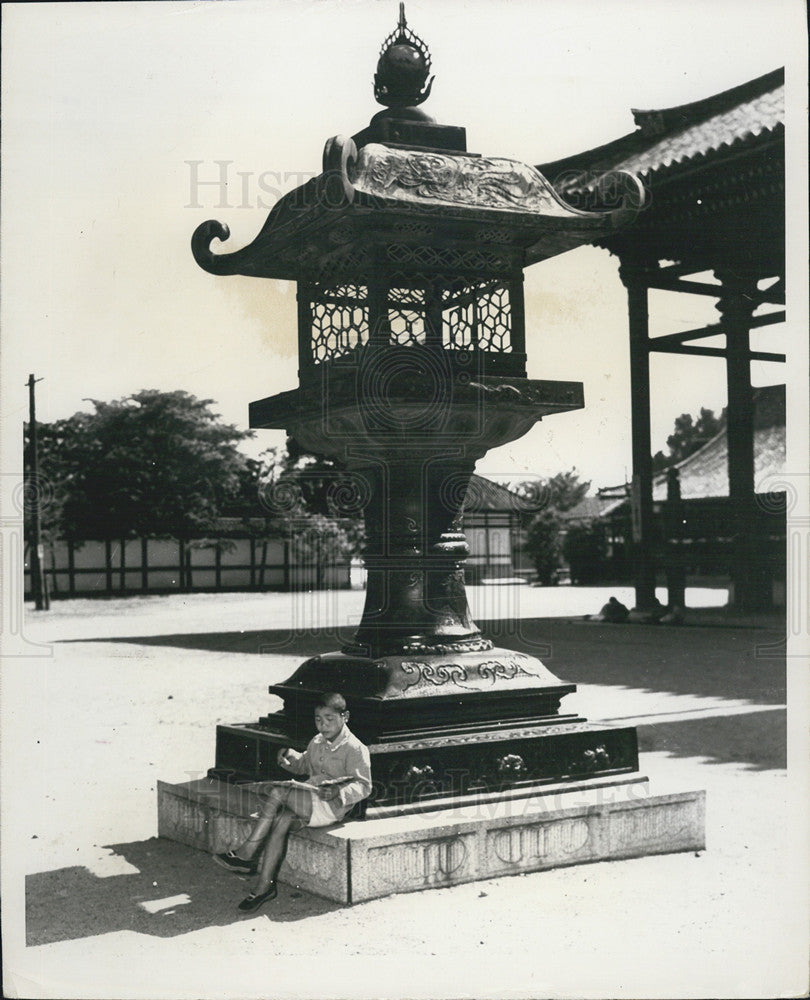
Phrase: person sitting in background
(339,770)
(613,611)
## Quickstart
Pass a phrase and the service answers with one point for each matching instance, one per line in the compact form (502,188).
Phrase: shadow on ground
(712,661)
(719,662)
(72,903)
(758,739)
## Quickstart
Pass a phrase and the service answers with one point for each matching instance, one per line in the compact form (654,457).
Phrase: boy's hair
(332,700)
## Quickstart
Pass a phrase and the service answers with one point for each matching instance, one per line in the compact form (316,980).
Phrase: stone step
(568,824)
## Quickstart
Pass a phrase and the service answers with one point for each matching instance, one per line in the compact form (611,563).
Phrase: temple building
(693,536)
(713,225)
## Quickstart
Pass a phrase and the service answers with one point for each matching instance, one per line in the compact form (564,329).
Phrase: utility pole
(38,583)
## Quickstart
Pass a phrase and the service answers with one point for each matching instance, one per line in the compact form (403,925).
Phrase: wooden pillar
(736,307)
(634,277)
(676,571)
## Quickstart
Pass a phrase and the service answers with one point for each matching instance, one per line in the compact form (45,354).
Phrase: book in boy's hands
(326,783)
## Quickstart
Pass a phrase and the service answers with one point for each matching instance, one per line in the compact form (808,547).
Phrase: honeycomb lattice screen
(473,316)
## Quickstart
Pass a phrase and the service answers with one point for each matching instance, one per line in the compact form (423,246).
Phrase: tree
(53,487)
(561,492)
(566,490)
(688,436)
(542,500)
(314,492)
(320,542)
(299,492)
(585,550)
(314,474)
(543,545)
(153,464)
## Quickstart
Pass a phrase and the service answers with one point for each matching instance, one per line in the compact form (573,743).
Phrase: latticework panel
(494,319)
(406,316)
(477,316)
(339,320)
(470,316)
(450,259)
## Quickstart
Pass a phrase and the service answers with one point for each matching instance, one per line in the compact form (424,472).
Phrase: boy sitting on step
(339,769)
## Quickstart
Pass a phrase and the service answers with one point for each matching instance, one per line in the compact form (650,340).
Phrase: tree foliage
(544,500)
(297,491)
(689,435)
(543,545)
(153,464)
(565,490)
(585,550)
(559,493)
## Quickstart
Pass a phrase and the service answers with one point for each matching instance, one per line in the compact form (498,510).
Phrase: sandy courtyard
(123,692)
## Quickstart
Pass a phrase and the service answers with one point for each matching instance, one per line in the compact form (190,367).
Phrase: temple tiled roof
(590,508)
(705,472)
(485,495)
(672,137)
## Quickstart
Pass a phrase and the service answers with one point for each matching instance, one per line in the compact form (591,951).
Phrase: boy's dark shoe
(257,899)
(230,861)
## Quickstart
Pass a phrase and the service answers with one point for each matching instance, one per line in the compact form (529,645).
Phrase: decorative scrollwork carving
(33,492)
(282,496)
(433,673)
(484,182)
(456,490)
(490,669)
(461,646)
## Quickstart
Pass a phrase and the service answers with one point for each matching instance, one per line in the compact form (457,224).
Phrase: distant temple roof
(485,495)
(589,508)
(675,138)
(704,473)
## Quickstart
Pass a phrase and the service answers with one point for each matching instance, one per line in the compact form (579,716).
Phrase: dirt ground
(105,697)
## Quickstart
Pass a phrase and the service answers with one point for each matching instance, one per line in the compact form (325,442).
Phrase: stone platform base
(568,824)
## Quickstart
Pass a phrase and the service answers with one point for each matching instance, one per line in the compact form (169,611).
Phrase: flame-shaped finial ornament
(402,73)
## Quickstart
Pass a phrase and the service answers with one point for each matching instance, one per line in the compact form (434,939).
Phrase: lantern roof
(405,192)
(458,210)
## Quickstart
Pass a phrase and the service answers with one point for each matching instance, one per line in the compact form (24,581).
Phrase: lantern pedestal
(459,841)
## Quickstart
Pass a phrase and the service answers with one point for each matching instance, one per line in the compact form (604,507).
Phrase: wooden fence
(154,566)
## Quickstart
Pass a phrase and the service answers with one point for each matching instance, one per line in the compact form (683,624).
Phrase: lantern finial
(403,69)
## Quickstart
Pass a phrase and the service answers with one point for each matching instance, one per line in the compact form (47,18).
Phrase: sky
(120,120)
